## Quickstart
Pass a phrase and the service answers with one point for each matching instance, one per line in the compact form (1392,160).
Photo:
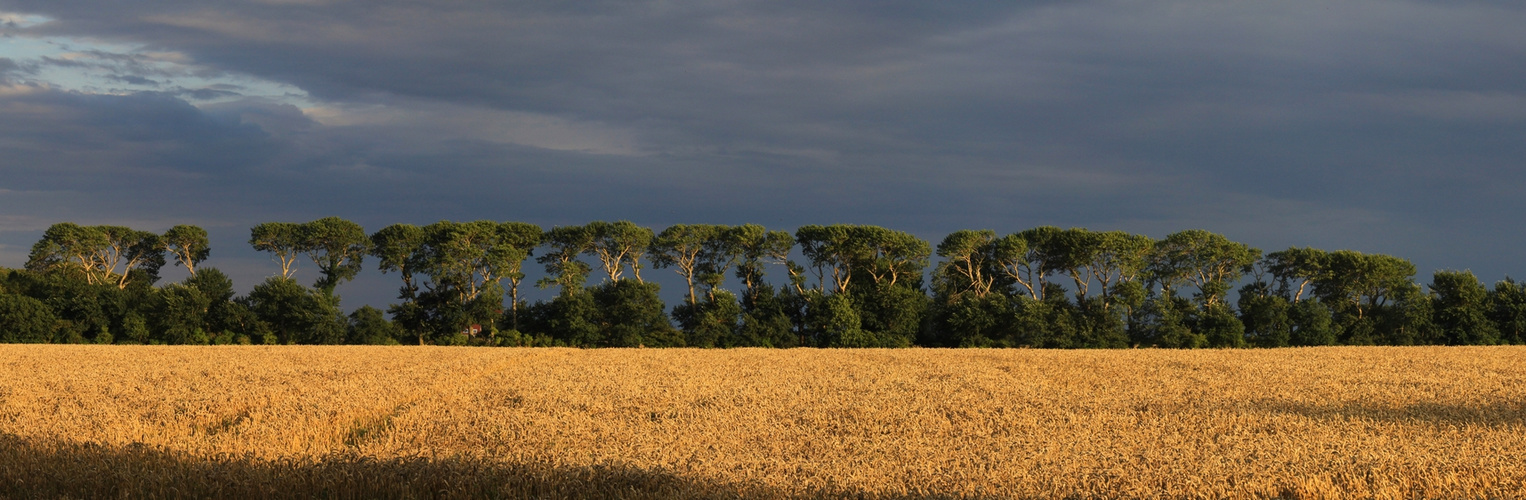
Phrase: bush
(25,319)
(368,325)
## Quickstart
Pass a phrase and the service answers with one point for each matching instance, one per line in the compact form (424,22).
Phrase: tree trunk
(514,302)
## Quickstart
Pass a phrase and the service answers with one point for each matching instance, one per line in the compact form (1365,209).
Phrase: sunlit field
(93,421)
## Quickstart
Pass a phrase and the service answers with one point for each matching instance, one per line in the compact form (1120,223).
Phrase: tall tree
(619,245)
(462,265)
(563,268)
(1121,258)
(69,246)
(758,247)
(1208,261)
(1075,252)
(134,250)
(1296,266)
(1028,258)
(726,249)
(888,256)
(189,245)
(337,247)
(396,248)
(830,249)
(464,258)
(1361,282)
(520,240)
(102,254)
(684,247)
(967,259)
(881,255)
(284,241)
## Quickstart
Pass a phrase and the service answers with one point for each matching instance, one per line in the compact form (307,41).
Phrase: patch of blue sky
(104,67)
(16,20)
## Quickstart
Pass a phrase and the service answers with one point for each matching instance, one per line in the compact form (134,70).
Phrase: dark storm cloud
(1389,126)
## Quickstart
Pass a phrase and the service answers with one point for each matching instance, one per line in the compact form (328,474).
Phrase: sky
(1383,126)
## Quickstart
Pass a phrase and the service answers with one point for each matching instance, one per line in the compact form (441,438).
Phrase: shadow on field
(1492,415)
(32,469)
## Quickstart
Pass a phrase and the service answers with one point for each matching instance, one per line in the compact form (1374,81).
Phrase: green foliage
(1208,261)
(1098,326)
(296,314)
(284,241)
(631,314)
(892,315)
(563,268)
(1507,309)
(1265,316)
(180,315)
(222,313)
(972,321)
(369,325)
(624,313)
(1168,324)
(413,319)
(571,318)
(112,255)
(712,322)
(1461,309)
(770,316)
(515,338)
(1219,327)
(1058,316)
(1312,324)
(89,308)
(135,328)
(24,319)
(103,336)
(1353,283)
(189,245)
(66,332)
(337,246)
(863,286)
(834,322)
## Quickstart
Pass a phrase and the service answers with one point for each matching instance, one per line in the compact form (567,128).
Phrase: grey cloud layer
(1378,125)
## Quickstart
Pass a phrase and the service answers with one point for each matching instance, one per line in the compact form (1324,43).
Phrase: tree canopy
(842,285)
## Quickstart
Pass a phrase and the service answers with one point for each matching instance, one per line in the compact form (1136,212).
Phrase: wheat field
(363,422)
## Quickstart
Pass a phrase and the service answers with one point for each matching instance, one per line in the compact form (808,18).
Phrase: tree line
(841,286)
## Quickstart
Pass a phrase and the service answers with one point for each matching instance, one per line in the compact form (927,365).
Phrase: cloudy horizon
(1390,127)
